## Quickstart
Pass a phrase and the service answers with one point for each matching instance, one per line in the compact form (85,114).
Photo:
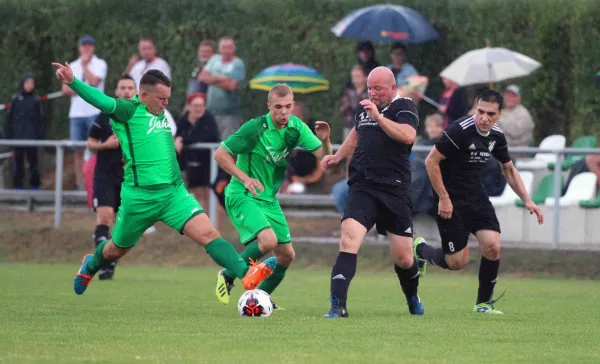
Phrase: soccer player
(152,190)
(380,187)
(108,174)
(262,147)
(455,166)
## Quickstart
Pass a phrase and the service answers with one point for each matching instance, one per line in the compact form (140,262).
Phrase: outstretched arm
(93,96)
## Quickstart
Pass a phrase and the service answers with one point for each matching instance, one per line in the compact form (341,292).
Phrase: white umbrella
(487,65)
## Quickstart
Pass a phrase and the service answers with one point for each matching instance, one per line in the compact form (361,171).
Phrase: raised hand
(322,130)
(64,73)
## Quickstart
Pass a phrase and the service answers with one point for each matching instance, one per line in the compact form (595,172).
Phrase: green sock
(251,252)
(224,255)
(98,260)
(269,284)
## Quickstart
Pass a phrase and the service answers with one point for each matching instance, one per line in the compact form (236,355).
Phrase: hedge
(560,34)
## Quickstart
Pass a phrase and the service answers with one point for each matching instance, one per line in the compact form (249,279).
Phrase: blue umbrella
(386,23)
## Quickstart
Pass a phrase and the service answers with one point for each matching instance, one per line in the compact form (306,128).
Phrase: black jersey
(379,159)
(466,150)
(109,163)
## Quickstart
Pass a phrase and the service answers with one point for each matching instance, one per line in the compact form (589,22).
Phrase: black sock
(488,274)
(101,234)
(409,279)
(341,275)
(435,256)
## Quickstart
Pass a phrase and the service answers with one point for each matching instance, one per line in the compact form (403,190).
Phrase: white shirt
(141,67)
(80,108)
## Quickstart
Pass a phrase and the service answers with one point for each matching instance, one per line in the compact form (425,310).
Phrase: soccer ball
(255,303)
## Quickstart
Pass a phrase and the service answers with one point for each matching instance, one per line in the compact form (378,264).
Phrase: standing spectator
(366,58)
(196,126)
(352,96)
(24,120)
(91,70)
(453,103)
(515,121)
(223,74)
(205,51)
(149,61)
(401,69)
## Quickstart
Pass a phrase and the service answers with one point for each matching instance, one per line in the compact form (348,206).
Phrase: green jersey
(262,152)
(145,138)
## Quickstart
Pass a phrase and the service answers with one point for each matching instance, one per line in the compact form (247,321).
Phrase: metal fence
(61,145)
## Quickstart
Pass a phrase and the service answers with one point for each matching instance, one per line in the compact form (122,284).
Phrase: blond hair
(280,90)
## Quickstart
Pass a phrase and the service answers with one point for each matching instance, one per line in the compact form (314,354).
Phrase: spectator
(196,126)
(149,61)
(352,96)
(454,103)
(366,58)
(515,121)
(303,167)
(205,51)
(91,70)
(401,69)
(223,74)
(422,192)
(24,120)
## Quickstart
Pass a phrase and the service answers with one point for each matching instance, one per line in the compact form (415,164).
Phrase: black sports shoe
(336,311)
(107,272)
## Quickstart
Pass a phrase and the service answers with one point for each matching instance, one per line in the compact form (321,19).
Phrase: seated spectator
(303,166)
(454,103)
(196,126)
(591,163)
(353,96)
(422,191)
(515,121)
(401,69)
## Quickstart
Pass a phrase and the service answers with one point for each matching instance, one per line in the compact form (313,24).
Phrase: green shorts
(251,216)
(141,208)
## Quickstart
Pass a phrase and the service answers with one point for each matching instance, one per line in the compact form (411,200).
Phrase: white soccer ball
(255,303)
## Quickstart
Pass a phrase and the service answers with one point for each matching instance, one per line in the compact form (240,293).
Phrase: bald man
(379,179)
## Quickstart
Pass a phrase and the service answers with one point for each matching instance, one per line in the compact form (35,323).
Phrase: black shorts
(389,210)
(107,192)
(198,176)
(466,219)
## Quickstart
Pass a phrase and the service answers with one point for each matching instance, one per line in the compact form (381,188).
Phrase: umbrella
(488,65)
(300,78)
(386,23)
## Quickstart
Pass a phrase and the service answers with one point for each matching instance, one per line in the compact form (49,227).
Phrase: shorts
(198,176)
(250,216)
(389,210)
(107,192)
(141,208)
(466,220)
(79,127)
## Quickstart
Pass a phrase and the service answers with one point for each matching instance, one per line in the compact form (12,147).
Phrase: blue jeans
(79,127)
(340,195)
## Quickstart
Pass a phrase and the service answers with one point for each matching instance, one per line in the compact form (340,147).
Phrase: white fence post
(58,188)
(557,195)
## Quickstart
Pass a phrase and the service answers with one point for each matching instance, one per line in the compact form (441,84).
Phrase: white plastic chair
(582,187)
(508,196)
(541,160)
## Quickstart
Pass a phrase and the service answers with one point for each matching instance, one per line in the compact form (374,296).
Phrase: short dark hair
(153,78)
(149,39)
(398,46)
(209,43)
(126,77)
(492,96)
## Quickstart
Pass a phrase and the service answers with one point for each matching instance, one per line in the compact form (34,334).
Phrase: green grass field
(162,315)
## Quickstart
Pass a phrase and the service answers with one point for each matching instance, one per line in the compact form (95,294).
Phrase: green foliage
(558,33)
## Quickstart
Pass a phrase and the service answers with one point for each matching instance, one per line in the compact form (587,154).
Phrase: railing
(60,146)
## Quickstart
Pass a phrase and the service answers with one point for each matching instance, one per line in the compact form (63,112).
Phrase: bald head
(381,84)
